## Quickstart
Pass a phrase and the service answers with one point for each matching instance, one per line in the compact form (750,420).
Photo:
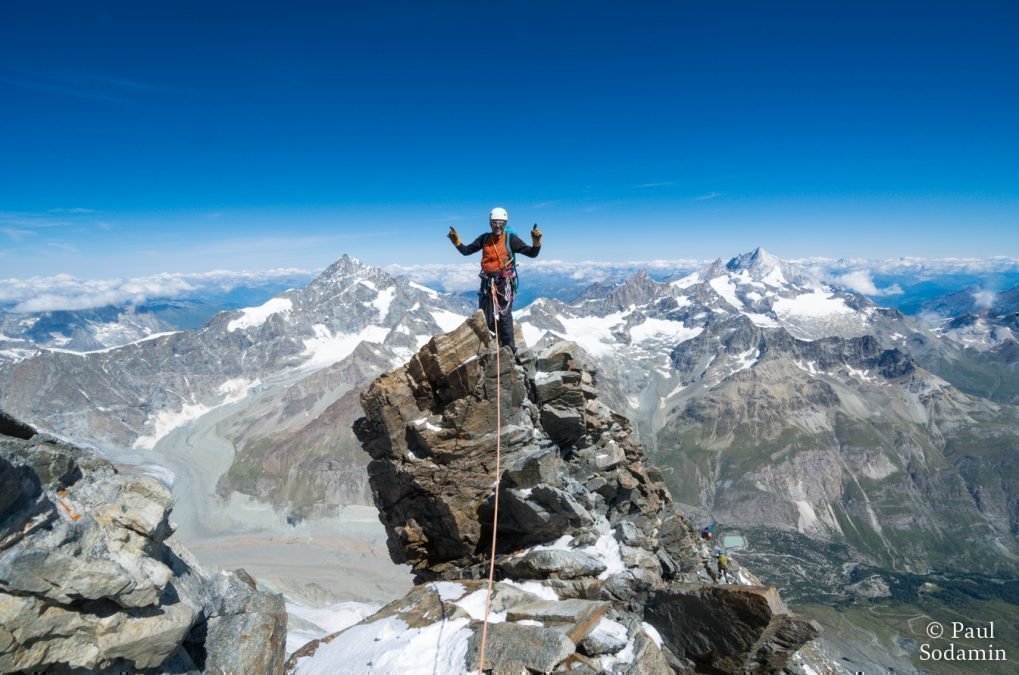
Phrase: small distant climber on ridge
(499,270)
(723,564)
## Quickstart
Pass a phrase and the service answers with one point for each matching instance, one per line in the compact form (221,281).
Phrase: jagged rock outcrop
(597,570)
(90,582)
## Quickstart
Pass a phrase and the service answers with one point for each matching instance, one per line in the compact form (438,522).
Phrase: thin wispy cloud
(603,205)
(95,86)
(237,246)
(658,184)
(15,234)
(63,247)
(31,220)
(61,90)
(77,211)
(126,83)
(710,195)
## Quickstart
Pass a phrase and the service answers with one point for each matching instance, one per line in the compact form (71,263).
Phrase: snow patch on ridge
(534,588)
(687,281)
(327,620)
(430,291)
(237,388)
(325,348)
(746,359)
(662,329)
(474,604)
(607,550)
(382,301)
(816,304)
(256,316)
(167,420)
(391,646)
(448,590)
(446,320)
(592,333)
(775,277)
(762,320)
(727,290)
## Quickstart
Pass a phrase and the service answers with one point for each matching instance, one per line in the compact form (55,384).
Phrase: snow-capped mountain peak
(641,316)
(294,334)
(758,260)
(765,267)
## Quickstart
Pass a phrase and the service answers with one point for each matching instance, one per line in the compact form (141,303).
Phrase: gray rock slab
(561,564)
(510,646)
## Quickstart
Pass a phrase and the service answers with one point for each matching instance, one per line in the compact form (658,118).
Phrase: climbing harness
(498,469)
(499,261)
(491,284)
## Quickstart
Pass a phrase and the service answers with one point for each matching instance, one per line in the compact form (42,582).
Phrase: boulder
(730,629)
(544,564)
(89,579)
(572,617)
(517,648)
(565,426)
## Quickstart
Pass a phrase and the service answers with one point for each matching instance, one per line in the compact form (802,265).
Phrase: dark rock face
(598,571)
(748,630)
(429,428)
(89,579)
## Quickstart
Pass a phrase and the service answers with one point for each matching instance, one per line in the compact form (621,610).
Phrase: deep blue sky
(139,137)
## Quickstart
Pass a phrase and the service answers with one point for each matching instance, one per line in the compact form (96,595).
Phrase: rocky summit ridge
(91,582)
(597,571)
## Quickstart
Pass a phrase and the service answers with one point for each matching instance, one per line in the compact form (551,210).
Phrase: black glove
(453,236)
(535,236)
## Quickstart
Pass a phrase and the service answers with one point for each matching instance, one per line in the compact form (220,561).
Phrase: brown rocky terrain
(597,571)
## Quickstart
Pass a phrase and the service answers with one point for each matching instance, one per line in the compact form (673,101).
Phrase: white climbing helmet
(498,213)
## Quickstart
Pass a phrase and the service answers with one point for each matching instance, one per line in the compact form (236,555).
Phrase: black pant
(504,298)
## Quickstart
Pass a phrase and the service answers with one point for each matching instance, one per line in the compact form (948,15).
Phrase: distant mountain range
(829,434)
(289,359)
(773,400)
(776,403)
(92,326)
(938,290)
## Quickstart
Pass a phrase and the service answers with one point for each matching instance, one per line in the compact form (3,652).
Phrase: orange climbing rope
(498,467)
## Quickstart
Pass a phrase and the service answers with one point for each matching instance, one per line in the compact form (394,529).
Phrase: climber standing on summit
(499,270)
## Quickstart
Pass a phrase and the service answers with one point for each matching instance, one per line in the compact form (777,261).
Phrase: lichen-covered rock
(89,580)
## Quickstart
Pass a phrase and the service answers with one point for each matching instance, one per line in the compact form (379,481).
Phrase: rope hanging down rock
(498,469)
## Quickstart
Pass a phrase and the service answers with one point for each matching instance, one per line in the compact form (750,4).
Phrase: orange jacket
(495,255)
